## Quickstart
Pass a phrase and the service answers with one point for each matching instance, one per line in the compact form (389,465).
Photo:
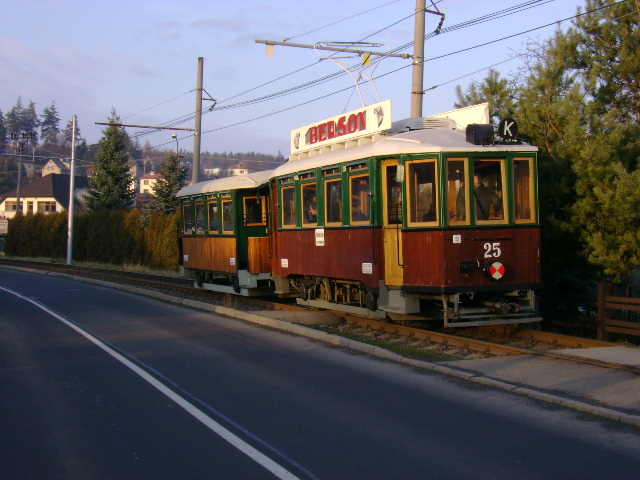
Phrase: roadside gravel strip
(367,349)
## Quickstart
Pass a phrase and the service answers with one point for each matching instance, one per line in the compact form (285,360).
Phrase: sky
(140,57)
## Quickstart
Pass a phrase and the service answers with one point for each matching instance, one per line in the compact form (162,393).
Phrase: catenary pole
(195,173)
(72,187)
(418,61)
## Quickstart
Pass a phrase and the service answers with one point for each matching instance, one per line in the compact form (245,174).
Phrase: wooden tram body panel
(210,253)
(348,253)
(436,264)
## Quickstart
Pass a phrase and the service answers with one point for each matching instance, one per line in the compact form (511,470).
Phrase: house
(47,194)
(148,182)
(56,166)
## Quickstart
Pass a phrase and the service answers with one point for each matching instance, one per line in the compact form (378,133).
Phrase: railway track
(477,342)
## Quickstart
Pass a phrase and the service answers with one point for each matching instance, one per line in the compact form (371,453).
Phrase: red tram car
(418,219)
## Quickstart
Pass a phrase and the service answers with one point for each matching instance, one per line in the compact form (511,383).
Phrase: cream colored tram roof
(251,180)
(414,141)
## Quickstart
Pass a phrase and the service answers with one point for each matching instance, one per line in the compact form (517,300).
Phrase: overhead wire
(426,60)
(190,116)
(501,13)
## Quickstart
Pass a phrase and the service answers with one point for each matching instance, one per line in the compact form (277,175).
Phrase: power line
(337,74)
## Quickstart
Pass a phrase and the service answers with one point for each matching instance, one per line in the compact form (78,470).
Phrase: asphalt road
(97,383)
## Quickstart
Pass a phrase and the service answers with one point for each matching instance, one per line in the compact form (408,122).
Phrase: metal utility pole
(195,172)
(72,187)
(418,61)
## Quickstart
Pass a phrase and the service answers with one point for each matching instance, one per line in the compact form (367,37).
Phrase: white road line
(238,443)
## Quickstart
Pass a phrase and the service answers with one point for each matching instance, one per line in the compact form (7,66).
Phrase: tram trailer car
(224,242)
(421,221)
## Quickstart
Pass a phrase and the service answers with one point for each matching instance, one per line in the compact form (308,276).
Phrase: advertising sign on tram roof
(348,126)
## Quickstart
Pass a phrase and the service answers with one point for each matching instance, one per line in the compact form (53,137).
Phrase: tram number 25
(492,250)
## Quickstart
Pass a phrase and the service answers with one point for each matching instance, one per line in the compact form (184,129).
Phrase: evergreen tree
(174,177)
(494,90)
(15,117)
(23,120)
(81,143)
(580,104)
(550,115)
(3,133)
(607,212)
(30,122)
(110,187)
(50,126)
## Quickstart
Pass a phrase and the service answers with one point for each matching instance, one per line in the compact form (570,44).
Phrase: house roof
(54,185)
(151,176)
(58,163)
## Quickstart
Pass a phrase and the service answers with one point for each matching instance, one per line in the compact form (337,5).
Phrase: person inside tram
(485,198)
(312,211)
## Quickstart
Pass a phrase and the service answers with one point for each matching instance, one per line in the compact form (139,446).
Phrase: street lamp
(175,137)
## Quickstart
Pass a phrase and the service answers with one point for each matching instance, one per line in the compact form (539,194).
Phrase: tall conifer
(111,186)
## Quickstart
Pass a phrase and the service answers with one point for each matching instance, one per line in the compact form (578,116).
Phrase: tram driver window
(360,199)
(488,190)
(457,195)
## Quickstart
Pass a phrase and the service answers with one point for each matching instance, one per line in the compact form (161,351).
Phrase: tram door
(392,205)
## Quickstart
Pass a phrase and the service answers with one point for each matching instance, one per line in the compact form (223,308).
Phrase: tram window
(253,211)
(422,186)
(187,215)
(227,216)
(394,196)
(457,195)
(309,204)
(360,199)
(288,207)
(488,190)
(523,189)
(214,219)
(333,202)
(199,218)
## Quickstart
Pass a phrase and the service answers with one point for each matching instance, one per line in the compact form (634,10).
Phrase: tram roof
(250,180)
(433,140)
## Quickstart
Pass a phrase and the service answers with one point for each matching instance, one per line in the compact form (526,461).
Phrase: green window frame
(422,193)
(227,216)
(359,205)
(213,214)
(288,206)
(490,191)
(524,201)
(457,193)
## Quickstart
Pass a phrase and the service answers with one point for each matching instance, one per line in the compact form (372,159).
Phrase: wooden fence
(624,309)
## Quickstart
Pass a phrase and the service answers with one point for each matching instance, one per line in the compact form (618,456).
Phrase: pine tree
(607,166)
(3,133)
(174,177)
(550,115)
(15,117)
(111,186)
(494,90)
(50,126)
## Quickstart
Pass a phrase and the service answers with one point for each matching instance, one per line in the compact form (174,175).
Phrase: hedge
(116,237)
